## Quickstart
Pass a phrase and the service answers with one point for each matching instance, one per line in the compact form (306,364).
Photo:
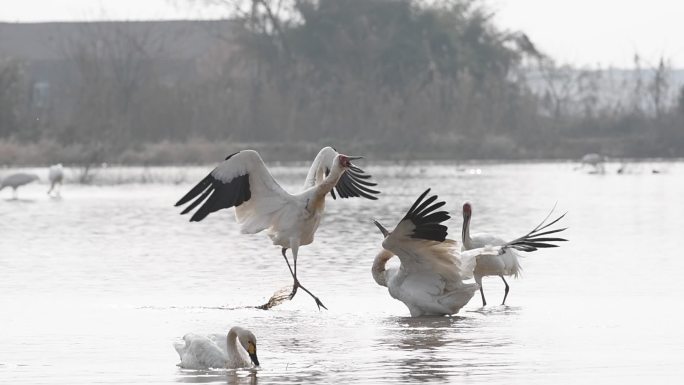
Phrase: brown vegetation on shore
(395,79)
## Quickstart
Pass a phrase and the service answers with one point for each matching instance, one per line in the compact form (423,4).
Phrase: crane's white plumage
(506,263)
(243,181)
(236,350)
(430,278)
(17,180)
(267,204)
(56,177)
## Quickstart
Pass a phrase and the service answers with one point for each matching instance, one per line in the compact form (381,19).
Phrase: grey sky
(580,32)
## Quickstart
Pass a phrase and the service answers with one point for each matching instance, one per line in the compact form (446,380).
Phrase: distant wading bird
(236,350)
(243,181)
(595,161)
(429,280)
(56,176)
(16,180)
(506,263)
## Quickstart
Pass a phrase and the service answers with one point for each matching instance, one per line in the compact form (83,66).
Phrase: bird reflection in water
(436,348)
(230,377)
(418,342)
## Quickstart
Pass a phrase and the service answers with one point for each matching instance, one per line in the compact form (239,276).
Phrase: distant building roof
(47,41)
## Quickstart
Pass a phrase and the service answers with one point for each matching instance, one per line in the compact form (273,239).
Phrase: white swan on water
(216,351)
(16,180)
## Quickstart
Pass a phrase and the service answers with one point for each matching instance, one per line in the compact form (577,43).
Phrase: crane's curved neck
(314,174)
(378,269)
(330,181)
(467,241)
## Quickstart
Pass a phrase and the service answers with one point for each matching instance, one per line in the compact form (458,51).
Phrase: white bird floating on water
(217,351)
(243,181)
(430,278)
(16,180)
(506,263)
(56,176)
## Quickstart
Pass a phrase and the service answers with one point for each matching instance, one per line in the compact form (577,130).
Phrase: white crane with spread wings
(243,181)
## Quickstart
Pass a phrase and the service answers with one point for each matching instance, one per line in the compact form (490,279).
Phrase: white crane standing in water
(243,181)
(56,176)
(17,180)
(430,278)
(506,263)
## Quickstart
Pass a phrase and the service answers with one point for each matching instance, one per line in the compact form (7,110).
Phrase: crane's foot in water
(297,285)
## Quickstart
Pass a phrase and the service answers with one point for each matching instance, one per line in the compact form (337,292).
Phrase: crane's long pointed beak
(383,230)
(354,158)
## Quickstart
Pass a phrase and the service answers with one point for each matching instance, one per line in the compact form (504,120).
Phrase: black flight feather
(223,196)
(427,221)
(353,183)
(215,195)
(535,239)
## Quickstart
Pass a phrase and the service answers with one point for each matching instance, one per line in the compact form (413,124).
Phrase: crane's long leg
(484,301)
(296,284)
(287,261)
(294,276)
(506,292)
(478,280)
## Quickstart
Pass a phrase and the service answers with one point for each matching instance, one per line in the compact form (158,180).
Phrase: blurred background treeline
(391,79)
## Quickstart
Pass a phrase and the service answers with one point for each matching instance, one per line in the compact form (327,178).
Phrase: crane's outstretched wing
(241,181)
(419,240)
(353,183)
(536,239)
(487,244)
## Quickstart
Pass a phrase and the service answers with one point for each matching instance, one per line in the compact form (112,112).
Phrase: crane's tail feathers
(536,239)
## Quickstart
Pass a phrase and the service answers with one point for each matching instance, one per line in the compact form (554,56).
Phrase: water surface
(96,286)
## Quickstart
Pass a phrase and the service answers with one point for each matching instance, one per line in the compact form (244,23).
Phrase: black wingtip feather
(215,195)
(195,191)
(197,201)
(353,183)
(535,239)
(427,221)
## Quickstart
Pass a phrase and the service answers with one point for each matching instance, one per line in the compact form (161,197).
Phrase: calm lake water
(96,286)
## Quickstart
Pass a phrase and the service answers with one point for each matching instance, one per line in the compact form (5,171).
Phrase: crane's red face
(345,161)
(467,210)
